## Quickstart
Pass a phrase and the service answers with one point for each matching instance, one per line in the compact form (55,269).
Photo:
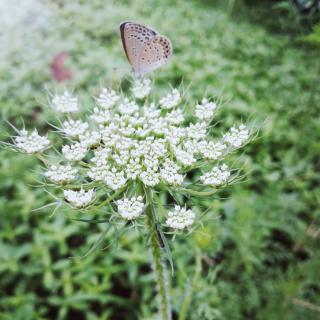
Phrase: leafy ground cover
(257,256)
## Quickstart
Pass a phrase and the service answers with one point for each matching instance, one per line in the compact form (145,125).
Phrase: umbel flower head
(131,144)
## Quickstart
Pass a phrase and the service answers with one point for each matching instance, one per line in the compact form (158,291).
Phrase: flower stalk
(159,263)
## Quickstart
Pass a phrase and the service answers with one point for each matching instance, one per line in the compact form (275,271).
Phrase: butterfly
(145,48)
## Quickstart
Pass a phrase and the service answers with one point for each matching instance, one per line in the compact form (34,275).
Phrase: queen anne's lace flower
(31,143)
(107,98)
(130,208)
(180,217)
(236,137)
(171,100)
(145,143)
(217,176)
(60,173)
(205,110)
(74,152)
(74,128)
(65,103)
(141,88)
(79,199)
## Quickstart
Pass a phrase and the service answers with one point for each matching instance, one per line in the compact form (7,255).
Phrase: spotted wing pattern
(146,50)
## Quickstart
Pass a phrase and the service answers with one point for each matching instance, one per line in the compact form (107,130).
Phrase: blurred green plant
(259,256)
(314,37)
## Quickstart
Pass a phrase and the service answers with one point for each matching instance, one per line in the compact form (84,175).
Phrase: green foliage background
(260,258)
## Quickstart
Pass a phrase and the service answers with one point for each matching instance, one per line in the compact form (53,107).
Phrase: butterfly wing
(134,37)
(154,54)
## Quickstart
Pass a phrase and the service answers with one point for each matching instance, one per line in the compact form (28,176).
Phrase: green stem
(188,296)
(198,193)
(159,263)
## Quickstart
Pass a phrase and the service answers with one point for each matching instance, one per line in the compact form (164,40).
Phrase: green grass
(257,257)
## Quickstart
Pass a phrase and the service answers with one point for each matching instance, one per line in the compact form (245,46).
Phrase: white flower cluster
(74,152)
(184,157)
(65,103)
(90,139)
(136,140)
(128,107)
(31,143)
(141,88)
(205,110)
(171,100)
(74,128)
(60,173)
(79,199)
(169,173)
(107,98)
(180,218)
(101,116)
(236,137)
(212,150)
(143,142)
(130,208)
(217,176)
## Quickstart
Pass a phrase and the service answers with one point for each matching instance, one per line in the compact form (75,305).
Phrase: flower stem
(185,307)
(159,263)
